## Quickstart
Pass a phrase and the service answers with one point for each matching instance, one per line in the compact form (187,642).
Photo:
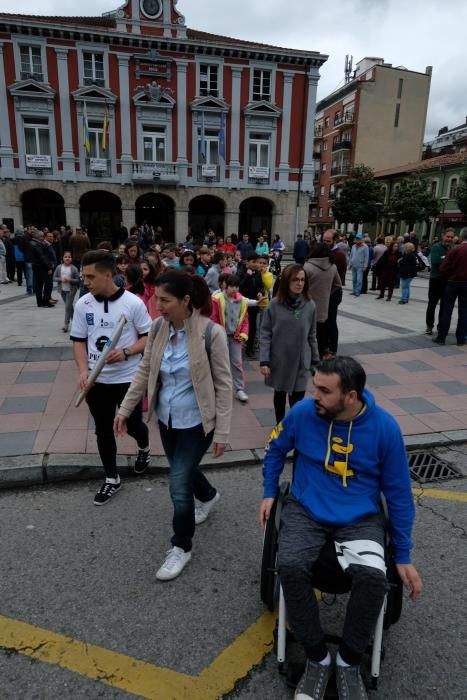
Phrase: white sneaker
(174,564)
(202,510)
(241,396)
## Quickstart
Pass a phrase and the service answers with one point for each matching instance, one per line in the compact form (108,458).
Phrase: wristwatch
(126,353)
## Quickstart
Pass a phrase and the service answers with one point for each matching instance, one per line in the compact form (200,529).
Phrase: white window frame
(30,48)
(155,133)
(430,189)
(95,137)
(321,191)
(210,138)
(33,42)
(37,127)
(209,60)
(320,212)
(94,78)
(257,65)
(92,48)
(259,142)
(450,181)
(325,145)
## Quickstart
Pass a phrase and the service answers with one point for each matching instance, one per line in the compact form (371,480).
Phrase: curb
(43,469)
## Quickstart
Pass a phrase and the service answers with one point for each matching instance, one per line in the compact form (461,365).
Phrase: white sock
(327,660)
(340,661)
(113,481)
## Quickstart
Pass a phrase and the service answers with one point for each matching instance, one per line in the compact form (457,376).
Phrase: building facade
(377,119)
(132,116)
(446,141)
(442,175)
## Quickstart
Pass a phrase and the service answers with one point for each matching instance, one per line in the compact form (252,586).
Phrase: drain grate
(425,466)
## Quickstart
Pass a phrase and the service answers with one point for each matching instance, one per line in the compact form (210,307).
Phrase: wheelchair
(328,578)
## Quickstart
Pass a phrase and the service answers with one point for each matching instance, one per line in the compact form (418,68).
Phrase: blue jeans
(357,280)
(185,449)
(29,278)
(405,288)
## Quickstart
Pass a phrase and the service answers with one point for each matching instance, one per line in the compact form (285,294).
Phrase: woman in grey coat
(288,346)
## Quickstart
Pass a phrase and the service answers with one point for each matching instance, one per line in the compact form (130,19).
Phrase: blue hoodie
(342,467)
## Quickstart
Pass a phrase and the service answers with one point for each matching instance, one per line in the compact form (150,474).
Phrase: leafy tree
(461,193)
(360,198)
(413,201)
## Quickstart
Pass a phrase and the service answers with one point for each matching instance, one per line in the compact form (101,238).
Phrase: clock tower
(156,17)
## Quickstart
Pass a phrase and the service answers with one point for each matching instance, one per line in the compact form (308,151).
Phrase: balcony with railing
(318,132)
(209,173)
(340,170)
(317,153)
(344,120)
(98,167)
(38,165)
(29,75)
(345,144)
(148,171)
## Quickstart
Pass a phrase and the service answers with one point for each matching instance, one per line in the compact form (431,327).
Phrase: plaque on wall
(153,64)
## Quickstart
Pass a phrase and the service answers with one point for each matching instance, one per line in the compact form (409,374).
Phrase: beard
(331,412)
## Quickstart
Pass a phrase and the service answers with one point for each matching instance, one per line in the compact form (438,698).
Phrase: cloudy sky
(410,33)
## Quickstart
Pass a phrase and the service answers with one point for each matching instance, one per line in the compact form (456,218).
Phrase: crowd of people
(193,311)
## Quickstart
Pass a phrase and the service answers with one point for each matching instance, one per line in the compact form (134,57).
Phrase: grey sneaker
(313,683)
(349,683)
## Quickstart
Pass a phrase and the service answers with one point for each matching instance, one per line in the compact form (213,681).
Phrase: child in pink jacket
(229,309)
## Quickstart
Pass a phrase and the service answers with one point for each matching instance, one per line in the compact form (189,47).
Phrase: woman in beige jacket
(186,371)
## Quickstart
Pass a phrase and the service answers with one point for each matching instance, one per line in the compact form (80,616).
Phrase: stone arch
(43,207)
(157,210)
(255,216)
(206,211)
(100,212)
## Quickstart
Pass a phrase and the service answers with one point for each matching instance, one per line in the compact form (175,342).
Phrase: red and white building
(133,116)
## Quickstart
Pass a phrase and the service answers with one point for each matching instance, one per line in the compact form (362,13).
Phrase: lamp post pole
(444,201)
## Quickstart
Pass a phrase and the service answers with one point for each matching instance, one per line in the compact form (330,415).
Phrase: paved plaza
(423,385)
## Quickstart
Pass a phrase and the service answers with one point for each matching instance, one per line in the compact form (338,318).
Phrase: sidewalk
(423,385)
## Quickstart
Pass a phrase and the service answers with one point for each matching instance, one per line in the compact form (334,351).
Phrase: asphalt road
(89,573)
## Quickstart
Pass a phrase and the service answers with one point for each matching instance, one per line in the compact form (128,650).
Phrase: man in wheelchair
(347,451)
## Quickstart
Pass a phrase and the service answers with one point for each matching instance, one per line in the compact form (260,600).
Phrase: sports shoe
(106,492)
(438,340)
(349,683)
(429,330)
(202,510)
(241,396)
(313,683)
(142,461)
(175,562)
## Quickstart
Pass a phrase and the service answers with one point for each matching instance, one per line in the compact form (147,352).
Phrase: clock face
(151,8)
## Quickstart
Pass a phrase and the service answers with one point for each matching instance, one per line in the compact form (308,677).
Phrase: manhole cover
(425,466)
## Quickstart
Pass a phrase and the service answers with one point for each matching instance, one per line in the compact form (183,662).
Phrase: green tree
(461,193)
(360,198)
(413,201)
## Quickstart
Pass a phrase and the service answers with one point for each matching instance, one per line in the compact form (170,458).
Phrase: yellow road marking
(139,677)
(442,495)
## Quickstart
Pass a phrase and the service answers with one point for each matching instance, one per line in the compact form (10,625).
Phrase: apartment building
(377,119)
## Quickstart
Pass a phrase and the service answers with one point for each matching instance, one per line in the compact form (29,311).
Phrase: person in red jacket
(454,270)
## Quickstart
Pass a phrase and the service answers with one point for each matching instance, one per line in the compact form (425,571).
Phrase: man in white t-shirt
(95,318)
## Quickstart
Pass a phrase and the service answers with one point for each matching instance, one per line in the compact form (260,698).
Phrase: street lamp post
(379,206)
(444,200)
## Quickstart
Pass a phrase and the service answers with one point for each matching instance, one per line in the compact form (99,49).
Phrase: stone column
(234,165)
(126,156)
(182,159)
(285,136)
(308,167)
(7,169)
(181,223)
(231,221)
(68,157)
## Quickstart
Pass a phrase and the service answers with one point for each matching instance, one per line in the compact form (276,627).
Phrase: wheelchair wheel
(268,583)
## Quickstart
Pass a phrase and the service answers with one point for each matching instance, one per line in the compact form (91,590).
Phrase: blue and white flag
(222,136)
(202,141)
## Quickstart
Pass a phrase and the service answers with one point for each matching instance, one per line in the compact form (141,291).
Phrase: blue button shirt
(177,398)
